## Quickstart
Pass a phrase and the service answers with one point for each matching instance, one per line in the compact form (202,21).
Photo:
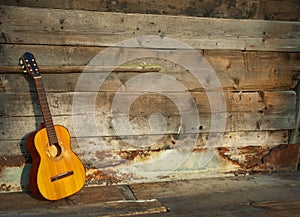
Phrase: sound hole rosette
(55,151)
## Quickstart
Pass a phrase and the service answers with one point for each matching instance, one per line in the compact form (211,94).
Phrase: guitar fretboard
(45,110)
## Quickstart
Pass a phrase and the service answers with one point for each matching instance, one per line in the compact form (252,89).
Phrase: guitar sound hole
(54,150)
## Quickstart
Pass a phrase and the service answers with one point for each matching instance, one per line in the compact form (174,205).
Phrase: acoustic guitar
(56,171)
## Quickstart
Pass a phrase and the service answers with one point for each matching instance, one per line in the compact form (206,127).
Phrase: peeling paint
(14,175)
(245,157)
(138,155)
(100,177)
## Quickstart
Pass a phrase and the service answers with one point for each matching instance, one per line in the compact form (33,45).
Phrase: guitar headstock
(29,65)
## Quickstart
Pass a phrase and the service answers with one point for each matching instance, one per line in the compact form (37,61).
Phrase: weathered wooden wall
(254,52)
(256,9)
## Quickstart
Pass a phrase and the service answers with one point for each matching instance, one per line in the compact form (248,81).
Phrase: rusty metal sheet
(253,159)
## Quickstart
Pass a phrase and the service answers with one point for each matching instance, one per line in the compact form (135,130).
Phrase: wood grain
(64,27)
(280,80)
(53,164)
(17,127)
(243,9)
(17,147)
(95,201)
(267,102)
(221,60)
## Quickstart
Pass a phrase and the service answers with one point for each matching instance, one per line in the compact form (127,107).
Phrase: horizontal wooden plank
(235,70)
(278,205)
(284,80)
(16,147)
(85,195)
(231,190)
(246,111)
(100,201)
(243,9)
(221,60)
(18,127)
(64,27)
(281,80)
(26,103)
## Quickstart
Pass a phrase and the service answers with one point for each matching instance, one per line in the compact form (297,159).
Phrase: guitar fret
(52,132)
(45,110)
(52,136)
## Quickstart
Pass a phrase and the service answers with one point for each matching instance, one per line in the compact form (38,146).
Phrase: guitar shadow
(24,181)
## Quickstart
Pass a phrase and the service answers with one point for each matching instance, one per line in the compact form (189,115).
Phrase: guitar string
(52,137)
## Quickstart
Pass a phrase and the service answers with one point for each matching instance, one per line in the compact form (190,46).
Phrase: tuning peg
(21,62)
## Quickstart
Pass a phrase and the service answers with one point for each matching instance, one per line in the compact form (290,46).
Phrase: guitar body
(56,171)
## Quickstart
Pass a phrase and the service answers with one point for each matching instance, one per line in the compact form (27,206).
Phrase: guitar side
(34,167)
(55,175)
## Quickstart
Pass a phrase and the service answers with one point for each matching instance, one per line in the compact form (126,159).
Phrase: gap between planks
(80,69)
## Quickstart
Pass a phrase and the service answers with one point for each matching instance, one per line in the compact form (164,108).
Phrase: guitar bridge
(61,176)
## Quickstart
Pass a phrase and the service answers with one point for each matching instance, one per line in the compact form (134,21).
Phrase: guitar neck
(45,110)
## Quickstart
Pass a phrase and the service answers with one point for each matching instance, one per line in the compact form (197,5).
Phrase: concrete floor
(253,195)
